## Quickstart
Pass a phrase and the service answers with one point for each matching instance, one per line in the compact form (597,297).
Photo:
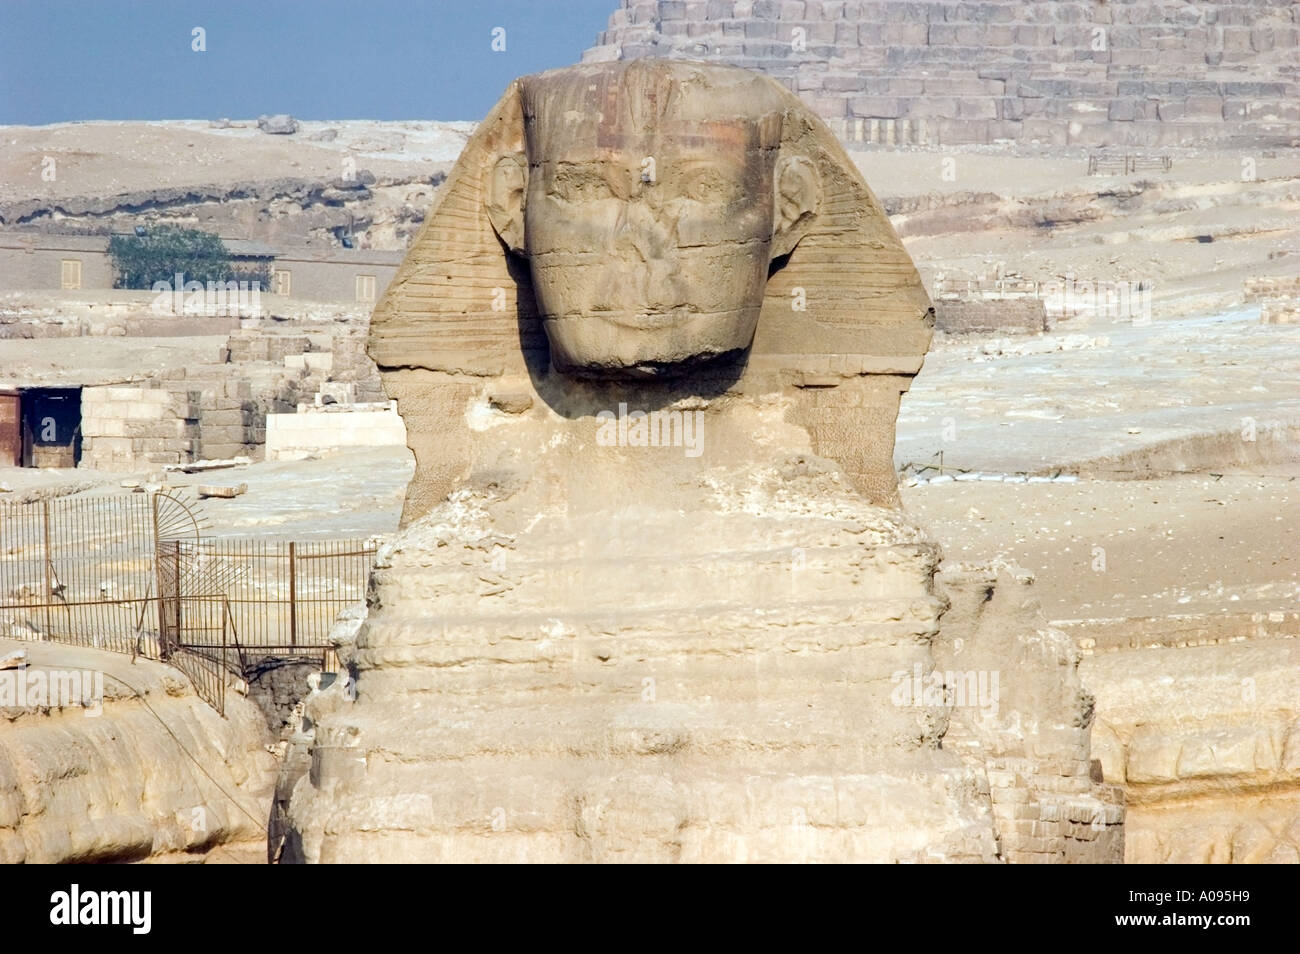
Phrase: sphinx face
(650,251)
(649,201)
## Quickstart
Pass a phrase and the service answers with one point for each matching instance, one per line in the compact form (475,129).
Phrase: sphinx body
(686,645)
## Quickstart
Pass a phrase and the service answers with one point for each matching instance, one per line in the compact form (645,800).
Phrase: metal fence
(998,288)
(134,574)
(1102,164)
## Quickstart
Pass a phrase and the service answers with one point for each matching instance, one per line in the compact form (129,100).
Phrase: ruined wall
(331,428)
(1005,316)
(1272,286)
(254,345)
(92,312)
(282,371)
(53,455)
(351,364)
(231,422)
(126,428)
(1280,312)
(1058,72)
(170,422)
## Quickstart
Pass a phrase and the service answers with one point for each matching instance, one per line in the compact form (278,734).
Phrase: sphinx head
(650,199)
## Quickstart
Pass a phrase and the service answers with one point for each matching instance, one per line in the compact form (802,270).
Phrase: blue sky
(317,59)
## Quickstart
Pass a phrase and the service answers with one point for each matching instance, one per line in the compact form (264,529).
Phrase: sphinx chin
(648,344)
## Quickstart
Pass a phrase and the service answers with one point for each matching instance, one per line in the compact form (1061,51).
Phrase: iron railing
(1127,164)
(133,574)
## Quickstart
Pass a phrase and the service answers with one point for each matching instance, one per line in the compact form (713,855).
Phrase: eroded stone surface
(163,776)
(1206,741)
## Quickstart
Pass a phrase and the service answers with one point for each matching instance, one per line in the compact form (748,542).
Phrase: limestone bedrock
(654,600)
(150,772)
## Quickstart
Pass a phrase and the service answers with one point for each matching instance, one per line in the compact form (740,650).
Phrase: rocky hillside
(310,186)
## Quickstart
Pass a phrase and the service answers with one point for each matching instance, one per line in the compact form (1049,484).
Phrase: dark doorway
(11,429)
(51,427)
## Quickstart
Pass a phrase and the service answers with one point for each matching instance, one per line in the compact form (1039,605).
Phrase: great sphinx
(638,221)
(586,650)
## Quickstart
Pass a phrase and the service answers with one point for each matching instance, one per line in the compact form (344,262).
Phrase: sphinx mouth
(648,320)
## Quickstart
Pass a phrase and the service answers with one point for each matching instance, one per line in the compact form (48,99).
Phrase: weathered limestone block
(986,316)
(1206,742)
(124,428)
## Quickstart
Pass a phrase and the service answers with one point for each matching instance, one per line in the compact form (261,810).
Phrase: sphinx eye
(710,185)
(580,185)
(705,185)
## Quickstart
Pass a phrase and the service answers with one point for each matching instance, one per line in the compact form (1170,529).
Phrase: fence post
(176,570)
(158,576)
(48,564)
(293,595)
(223,669)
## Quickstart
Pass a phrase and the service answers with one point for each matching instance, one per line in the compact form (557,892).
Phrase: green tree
(254,273)
(163,251)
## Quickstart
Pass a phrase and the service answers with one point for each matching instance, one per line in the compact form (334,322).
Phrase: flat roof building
(51,261)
